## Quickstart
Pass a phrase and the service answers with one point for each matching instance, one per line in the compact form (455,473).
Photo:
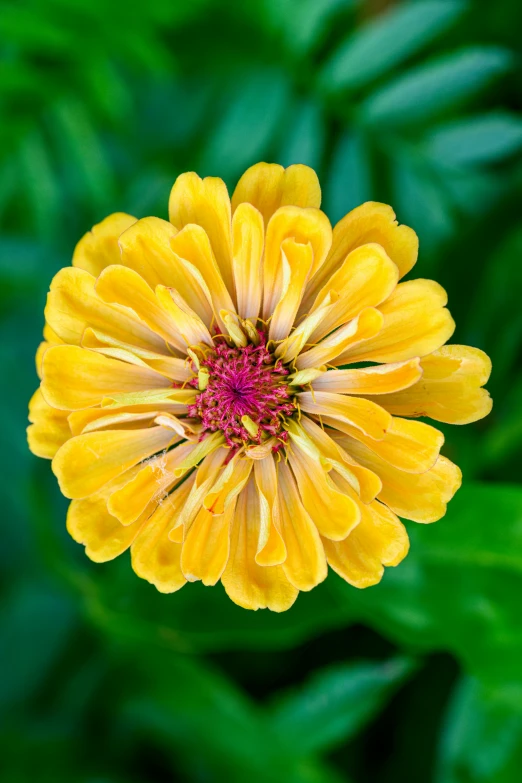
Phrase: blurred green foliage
(418,104)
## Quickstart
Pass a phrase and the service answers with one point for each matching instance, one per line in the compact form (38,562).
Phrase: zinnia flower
(233,394)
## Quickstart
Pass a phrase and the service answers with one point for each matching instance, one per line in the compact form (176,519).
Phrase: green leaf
(475,140)
(337,703)
(481,737)
(435,86)
(386,42)
(459,587)
(304,142)
(349,182)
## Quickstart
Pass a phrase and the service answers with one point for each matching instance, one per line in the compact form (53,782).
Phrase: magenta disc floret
(244,381)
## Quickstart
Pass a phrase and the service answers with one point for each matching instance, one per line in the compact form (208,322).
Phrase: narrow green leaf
(304,142)
(349,181)
(476,140)
(337,703)
(387,41)
(436,85)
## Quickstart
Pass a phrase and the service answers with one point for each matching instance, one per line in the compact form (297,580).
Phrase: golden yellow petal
(379,540)
(99,247)
(271,549)
(74,378)
(247,253)
(248,584)
(377,380)
(49,427)
(296,262)
(348,337)
(205,202)
(84,464)
(73,305)
(411,446)
(370,222)
(305,564)
(92,419)
(154,556)
(366,278)
(204,478)
(450,387)
(415,324)
(186,322)
(366,416)
(303,226)
(268,186)
(206,546)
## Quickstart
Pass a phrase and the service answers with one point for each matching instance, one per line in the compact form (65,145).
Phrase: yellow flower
(203,399)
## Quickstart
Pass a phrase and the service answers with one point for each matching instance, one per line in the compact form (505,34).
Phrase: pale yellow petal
(49,427)
(84,464)
(99,247)
(73,305)
(370,222)
(206,546)
(366,416)
(271,549)
(248,584)
(74,378)
(205,202)
(376,380)
(247,254)
(186,322)
(268,186)
(416,323)
(366,278)
(450,389)
(412,446)
(154,556)
(347,338)
(296,261)
(305,564)
(304,226)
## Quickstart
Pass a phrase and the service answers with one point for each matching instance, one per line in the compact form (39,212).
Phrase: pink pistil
(244,382)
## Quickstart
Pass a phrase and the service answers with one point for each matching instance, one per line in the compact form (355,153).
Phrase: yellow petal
(92,419)
(304,226)
(450,387)
(228,486)
(380,539)
(247,253)
(366,278)
(204,478)
(421,497)
(49,428)
(366,416)
(411,446)
(75,378)
(377,380)
(154,556)
(370,222)
(99,247)
(84,464)
(186,322)
(149,485)
(367,484)
(305,564)
(333,512)
(268,186)
(146,248)
(415,324)
(271,549)
(205,202)
(297,262)
(348,337)
(173,400)
(248,584)
(73,304)
(206,546)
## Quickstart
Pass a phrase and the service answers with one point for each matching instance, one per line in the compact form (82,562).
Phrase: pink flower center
(242,382)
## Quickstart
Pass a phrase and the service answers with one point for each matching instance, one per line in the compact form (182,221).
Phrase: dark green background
(417,680)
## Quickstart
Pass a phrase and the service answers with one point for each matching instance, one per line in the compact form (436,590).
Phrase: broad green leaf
(304,141)
(481,738)
(336,703)
(349,182)
(475,140)
(303,22)
(387,41)
(435,86)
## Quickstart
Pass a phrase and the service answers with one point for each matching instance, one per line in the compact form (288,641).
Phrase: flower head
(234,394)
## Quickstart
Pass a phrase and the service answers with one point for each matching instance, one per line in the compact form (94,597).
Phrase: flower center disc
(246,396)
